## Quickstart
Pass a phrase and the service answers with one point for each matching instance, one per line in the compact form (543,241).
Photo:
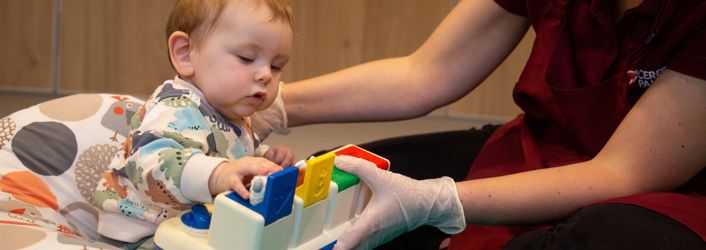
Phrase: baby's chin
(238,112)
(231,114)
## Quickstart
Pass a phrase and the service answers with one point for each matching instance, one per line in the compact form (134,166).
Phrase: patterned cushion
(51,157)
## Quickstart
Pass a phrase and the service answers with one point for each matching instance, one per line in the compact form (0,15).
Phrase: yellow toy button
(317,179)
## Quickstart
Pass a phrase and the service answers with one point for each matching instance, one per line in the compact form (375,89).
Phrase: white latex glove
(399,204)
(272,119)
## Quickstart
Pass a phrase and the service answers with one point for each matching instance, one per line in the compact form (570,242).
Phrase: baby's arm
(234,174)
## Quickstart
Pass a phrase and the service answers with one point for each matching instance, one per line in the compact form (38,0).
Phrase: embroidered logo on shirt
(644,78)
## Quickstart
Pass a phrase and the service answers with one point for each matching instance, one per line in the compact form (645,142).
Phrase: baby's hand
(234,174)
(280,155)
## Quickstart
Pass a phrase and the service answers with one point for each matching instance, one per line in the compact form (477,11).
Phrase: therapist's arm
(658,146)
(469,43)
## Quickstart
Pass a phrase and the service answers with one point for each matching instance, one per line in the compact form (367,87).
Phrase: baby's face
(238,66)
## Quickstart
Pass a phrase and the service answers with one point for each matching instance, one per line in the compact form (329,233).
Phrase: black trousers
(608,226)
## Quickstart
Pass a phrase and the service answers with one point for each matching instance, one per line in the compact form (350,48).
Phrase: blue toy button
(277,200)
(197,218)
(329,246)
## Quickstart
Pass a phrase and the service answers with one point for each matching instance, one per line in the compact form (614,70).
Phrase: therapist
(608,153)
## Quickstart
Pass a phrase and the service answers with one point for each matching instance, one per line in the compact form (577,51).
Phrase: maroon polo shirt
(584,73)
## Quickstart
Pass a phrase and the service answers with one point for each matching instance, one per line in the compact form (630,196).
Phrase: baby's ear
(179,47)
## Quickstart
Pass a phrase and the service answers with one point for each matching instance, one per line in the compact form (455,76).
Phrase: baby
(192,139)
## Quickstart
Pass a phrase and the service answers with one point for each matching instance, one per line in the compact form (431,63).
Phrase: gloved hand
(399,204)
(272,119)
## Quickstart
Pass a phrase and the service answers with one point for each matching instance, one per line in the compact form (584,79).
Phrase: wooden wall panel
(398,27)
(114,46)
(331,35)
(327,37)
(26,45)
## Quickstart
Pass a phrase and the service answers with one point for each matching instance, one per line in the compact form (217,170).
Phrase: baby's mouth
(258,97)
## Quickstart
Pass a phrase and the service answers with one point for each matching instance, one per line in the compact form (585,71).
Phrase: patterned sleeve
(164,165)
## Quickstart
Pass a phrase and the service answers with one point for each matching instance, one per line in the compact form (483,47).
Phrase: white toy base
(236,224)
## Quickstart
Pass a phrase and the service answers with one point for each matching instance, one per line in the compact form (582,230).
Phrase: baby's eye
(276,68)
(245,59)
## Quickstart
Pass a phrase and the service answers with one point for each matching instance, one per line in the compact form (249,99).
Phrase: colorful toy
(283,216)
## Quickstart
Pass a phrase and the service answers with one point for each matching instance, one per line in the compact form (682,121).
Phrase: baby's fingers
(284,158)
(258,166)
(267,167)
(239,188)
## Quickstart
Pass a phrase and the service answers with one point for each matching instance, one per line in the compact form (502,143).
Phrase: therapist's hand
(399,204)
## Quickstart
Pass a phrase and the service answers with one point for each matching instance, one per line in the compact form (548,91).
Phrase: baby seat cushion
(51,157)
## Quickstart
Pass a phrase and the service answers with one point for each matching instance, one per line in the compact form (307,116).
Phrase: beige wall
(69,46)
(26,45)
(114,45)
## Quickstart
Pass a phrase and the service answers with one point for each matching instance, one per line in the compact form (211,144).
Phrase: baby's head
(232,50)
(198,17)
